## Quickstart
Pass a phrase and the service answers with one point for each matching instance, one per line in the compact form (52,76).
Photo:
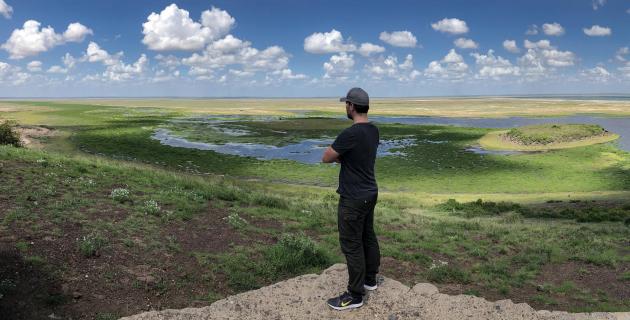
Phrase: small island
(546,137)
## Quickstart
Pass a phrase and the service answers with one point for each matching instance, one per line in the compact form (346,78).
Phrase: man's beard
(349,115)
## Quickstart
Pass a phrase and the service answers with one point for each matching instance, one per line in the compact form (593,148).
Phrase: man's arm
(330,156)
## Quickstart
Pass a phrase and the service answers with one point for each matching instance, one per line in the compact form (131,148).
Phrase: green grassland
(551,228)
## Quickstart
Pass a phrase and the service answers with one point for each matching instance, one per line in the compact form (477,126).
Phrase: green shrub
(293,254)
(8,135)
(91,245)
(478,208)
(152,207)
(120,194)
(235,220)
(447,273)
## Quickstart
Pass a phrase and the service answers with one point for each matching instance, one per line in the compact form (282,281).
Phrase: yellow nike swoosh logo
(345,304)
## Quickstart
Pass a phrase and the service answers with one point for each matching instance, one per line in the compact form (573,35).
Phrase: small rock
(392,317)
(76,295)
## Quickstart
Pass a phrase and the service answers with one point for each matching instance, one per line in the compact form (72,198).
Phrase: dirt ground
(304,298)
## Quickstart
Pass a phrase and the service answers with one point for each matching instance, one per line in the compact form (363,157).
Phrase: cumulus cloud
(403,39)
(620,55)
(115,69)
(495,67)
(390,68)
(452,26)
(14,75)
(173,29)
(76,32)
(32,40)
(339,66)
(625,69)
(597,74)
(557,58)
(327,42)
(464,43)
(541,44)
(553,29)
(541,59)
(57,69)
(366,49)
(5,9)
(233,51)
(34,66)
(94,53)
(510,45)
(532,30)
(287,74)
(451,67)
(597,31)
(598,4)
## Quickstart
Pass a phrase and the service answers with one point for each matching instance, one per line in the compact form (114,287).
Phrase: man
(355,148)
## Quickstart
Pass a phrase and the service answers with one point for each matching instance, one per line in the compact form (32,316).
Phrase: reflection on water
(307,151)
(620,126)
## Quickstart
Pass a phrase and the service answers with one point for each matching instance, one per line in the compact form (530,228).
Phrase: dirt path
(304,298)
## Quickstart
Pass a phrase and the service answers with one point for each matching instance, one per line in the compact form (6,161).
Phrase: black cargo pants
(355,221)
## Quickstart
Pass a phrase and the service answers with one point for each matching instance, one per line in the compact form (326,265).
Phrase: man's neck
(359,118)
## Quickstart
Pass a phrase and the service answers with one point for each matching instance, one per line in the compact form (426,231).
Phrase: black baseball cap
(357,96)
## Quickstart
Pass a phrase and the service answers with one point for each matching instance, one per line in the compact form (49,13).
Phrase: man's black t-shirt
(357,146)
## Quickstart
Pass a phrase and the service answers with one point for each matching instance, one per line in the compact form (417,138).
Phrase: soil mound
(304,297)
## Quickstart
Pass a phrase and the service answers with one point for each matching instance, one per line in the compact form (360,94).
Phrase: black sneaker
(345,301)
(370,285)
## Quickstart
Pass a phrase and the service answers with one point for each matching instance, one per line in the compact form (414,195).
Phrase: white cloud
(553,29)
(287,74)
(532,30)
(69,61)
(620,55)
(390,68)
(403,39)
(32,40)
(541,44)
(451,67)
(495,67)
(233,51)
(598,4)
(625,69)
(510,45)
(366,49)
(597,31)
(557,58)
(327,42)
(57,69)
(173,29)
(5,9)
(541,60)
(12,75)
(115,69)
(76,32)
(452,26)
(94,53)
(34,66)
(597,74)
(339,66)
(171,62)
(464,43)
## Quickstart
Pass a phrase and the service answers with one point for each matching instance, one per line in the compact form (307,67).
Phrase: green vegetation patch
(545,134)
(547,137)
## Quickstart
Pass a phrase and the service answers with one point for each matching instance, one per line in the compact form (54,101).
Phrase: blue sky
(299,48)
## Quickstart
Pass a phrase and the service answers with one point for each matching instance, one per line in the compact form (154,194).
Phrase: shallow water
(620,126)
(306,151)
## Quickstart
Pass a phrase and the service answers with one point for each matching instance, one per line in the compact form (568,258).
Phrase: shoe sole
(352,306)
(370,288)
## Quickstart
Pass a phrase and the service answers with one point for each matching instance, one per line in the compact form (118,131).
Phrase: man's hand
(330,156)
